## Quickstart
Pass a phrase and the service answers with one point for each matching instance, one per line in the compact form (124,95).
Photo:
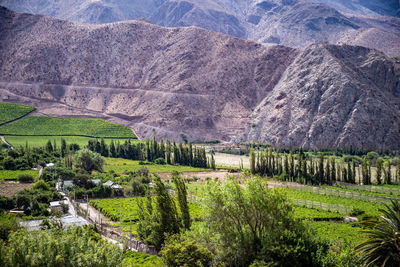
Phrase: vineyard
(338,232)
(10,111)
(40,141)
(51,126)
(13,175)
(370,208)
(342,193)
(129,206)
(384,190)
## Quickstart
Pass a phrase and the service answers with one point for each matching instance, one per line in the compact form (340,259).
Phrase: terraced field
(51,126)
(11,111)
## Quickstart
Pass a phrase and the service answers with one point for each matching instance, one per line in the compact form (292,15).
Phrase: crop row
(310,213)
(129,206)
(388,191)
(66,126)
(370,208)
(13,175)
(341,193)
(10,111)
(40,141)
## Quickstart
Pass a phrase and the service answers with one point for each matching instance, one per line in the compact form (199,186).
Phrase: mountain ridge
(295,23)
(194,84)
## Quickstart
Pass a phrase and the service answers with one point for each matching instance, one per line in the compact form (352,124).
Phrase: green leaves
(10,111)
(383,245)
(249,222)
(70,247)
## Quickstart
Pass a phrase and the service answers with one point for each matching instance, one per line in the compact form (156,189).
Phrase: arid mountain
(365,7)
(163,81)
(332,96)
(201,85)
(294,23)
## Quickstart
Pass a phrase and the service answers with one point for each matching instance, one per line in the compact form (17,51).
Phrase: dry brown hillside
(177,82)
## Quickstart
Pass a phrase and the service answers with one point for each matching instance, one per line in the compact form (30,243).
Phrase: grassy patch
(306,213)
(140,259)
(10,111)
(40,141)
(338,232)
(124,165)
(13,175)
(66,126)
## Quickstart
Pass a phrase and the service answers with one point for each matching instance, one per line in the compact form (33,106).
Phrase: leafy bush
(56,247)
(89,161)
(177,252)
(8,223)
(160,161)
(6,203)
(25,178)
(254,222)
(139,259)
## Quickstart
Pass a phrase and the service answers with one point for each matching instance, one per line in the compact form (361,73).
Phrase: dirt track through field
(5,142)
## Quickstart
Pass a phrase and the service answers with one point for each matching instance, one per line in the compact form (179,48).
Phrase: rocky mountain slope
(191,83)
(332,96)
(294,23)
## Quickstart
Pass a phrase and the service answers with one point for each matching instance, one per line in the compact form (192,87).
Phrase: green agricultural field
(66,126)
(110,207)
(39,141)
(13,175)
(370,208)
(124,165)
(306,213)
(10,111)
(363,191)
(338,232)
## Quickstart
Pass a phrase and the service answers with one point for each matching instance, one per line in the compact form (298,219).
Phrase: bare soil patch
(9,189)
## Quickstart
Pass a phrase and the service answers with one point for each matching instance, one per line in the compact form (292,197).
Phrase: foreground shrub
(178,252)
(55,247)
(25,178)
(382,248)
(245,224)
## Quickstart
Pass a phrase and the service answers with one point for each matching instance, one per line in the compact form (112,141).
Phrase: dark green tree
(182,200)
(252,161)
(63,147)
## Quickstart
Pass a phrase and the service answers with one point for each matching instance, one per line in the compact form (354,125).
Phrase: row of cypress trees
(323,170)
(151,150)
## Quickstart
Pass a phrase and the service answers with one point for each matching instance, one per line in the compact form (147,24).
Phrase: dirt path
(5,141)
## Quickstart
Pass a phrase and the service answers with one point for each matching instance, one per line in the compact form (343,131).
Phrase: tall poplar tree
(252,161)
